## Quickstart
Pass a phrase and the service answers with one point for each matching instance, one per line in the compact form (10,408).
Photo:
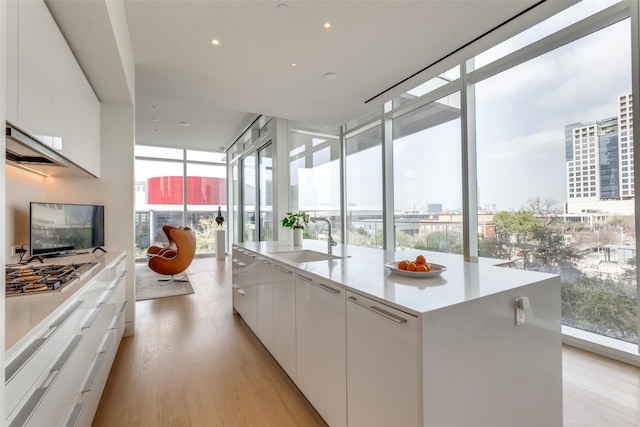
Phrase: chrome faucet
(330,241)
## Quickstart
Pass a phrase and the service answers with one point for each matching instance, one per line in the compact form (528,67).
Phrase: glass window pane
(265,190)
(206,156)
(249,198)
(539,31)
(206,191)
(427,178)
(315,181)
(158,201)
(159,152)
(428,86)
(364,188)
(551,187)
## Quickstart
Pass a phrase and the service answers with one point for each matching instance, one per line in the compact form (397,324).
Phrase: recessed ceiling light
(293,65)
(330,76)
(215,42)
(326,25)
(185,124)
(283,8)
(154,120)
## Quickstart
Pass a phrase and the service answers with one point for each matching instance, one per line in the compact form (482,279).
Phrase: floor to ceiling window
(248,167)
(180,188)
(314,174)
(427,177)
(363,178)
(553,169)
(265,190)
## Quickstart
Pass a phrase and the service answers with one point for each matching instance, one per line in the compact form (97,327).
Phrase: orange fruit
(420,259)
(412,266)
(422,268)
(428,266)
(402,265)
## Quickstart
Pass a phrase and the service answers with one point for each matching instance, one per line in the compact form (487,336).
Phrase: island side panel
(480,369)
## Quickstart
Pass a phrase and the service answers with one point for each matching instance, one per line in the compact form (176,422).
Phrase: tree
(520,225)
(540,207)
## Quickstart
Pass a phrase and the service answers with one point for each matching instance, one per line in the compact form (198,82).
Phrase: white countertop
(24,312)
(363,271)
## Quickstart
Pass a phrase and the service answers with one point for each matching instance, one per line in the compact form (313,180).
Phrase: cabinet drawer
(23,370)
(96,378)
(47,402)
(383,384)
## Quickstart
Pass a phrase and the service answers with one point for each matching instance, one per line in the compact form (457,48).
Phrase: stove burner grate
(36,279)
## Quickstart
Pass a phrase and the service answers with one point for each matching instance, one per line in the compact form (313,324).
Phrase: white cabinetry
(321,347)
(382,365)
(264,327)
(76,110)
(245,296)
(35,65)
(12,61)
(284,318)
(56,375)
(48,95)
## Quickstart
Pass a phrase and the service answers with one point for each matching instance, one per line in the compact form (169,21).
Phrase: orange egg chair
(175,258)
(170,246)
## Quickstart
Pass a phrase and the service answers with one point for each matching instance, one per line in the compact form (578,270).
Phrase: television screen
(62,228)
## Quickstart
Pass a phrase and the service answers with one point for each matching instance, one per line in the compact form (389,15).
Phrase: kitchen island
(479,345)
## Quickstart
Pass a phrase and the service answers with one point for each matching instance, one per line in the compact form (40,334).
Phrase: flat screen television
(58,229)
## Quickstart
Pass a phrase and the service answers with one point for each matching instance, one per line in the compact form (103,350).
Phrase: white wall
(22,187)
(114,189)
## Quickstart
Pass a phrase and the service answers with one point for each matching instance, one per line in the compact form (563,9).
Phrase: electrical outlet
(14,250)
(521,305)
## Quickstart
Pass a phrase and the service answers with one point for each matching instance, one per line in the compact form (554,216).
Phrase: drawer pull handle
(64,357)
(327,288)
(38,394)
(29,408)
(106,296)
(378,310)
(75,414)
(16,364)
(239,290)
(284,270)
(239,263)
(67,313)
(92,375)
(106,343)
(92,317)
(305,278)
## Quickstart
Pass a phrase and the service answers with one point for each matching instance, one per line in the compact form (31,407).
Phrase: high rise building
(599,159)
(625,132)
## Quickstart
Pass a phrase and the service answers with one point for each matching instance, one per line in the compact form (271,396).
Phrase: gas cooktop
(25,280)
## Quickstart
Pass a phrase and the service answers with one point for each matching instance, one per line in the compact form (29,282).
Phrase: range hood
(28,152)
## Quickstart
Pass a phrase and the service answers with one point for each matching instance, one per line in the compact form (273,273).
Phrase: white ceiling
(371,46)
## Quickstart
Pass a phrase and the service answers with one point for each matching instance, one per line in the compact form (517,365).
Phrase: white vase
(220,244)
(297,237)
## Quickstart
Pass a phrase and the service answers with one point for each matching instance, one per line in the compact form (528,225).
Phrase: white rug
(148,287)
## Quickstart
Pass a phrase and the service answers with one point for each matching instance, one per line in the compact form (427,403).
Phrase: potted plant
(297,222)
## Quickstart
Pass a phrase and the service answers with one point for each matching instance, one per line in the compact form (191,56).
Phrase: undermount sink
(306,255)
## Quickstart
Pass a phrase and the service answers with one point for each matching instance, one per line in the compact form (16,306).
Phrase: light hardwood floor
(192,362)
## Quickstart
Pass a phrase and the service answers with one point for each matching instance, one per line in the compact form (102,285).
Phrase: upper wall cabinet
(12,61)
(35,70)
(76,110)
(48,95)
